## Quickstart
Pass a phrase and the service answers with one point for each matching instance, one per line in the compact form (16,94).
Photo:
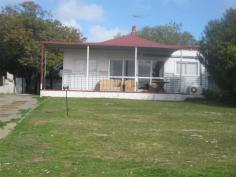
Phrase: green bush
(211,95)
(220,96)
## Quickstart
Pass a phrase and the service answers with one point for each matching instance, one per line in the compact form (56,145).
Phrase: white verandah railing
(79,81)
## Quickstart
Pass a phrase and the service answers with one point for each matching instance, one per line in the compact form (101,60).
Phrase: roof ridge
(120,37)
(143,38)
(131,34)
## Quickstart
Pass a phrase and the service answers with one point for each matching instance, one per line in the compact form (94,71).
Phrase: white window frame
(109,68)
(150,78)
(98,71)
(187,62)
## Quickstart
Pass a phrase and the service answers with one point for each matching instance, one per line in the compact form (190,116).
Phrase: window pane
(116,67)
(98,67)
(80,66)
(144,68)
(178,68)
(183,68)
(191,69)
(93,67)
(129,68)
(102,67)
(158,68)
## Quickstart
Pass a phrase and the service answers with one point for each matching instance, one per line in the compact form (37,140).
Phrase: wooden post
(45,68)
(41,67)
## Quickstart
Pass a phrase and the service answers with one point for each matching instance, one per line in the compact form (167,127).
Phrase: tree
(168,34)
(118,35)
(21,29)
(218,47)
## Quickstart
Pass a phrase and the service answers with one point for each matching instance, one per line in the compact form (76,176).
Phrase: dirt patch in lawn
(39,122)
(38,159)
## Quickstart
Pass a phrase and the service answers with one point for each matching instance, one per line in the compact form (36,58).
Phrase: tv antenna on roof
(136,17)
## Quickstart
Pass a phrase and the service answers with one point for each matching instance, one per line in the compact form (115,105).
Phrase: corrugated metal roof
(133,40)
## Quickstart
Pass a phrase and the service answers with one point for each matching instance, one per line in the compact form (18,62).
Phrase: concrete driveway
(11,107)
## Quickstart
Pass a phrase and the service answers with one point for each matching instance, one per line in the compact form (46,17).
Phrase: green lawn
(122,138)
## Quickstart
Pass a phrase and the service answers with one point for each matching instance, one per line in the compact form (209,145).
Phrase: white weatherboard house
(128,67)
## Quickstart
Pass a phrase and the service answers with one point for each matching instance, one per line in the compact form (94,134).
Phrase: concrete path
(11,107)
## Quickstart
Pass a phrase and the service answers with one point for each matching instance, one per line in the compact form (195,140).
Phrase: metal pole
(66,88)
(67,111)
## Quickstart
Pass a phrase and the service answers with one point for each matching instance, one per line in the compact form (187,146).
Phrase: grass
(122,138)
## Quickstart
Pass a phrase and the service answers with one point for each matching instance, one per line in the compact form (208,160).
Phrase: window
(187,68)
(144,68)
(122,68)
(116,67)
(192,69)
(80,66)
(128,67)
(97,67)
(93,67)
(147,70)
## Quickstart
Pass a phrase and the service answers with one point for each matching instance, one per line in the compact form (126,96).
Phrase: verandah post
(87,70)
(181,65)
(42,67)
(136,68)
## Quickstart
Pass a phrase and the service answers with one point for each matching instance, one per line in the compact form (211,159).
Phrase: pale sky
(100,20)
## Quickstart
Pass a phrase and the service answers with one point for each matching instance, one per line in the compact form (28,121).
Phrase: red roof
(133,40)
(130,40)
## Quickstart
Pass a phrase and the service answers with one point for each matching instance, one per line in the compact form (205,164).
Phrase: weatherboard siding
(74,66)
